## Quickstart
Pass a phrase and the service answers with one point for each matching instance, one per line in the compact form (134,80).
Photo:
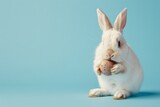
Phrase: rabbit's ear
(120,21)
(103,20)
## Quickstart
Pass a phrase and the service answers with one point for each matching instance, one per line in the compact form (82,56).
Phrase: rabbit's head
(114,46)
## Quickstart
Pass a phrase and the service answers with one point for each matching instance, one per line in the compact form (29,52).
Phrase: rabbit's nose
(108,57)
(110,52)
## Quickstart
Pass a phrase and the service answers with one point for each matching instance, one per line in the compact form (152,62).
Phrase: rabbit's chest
(114,81)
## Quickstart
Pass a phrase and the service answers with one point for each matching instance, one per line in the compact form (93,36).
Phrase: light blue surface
(47,49)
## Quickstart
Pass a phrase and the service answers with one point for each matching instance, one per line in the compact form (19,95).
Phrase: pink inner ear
(123,20)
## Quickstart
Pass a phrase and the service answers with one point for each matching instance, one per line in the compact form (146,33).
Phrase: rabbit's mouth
(111,61)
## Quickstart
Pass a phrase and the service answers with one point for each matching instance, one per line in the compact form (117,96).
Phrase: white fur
(120,85)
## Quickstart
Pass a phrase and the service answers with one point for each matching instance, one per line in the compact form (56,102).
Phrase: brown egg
(106,66)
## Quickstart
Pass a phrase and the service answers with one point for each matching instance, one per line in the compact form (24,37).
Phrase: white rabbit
(120,84)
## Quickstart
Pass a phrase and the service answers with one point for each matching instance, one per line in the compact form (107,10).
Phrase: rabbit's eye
(119,44)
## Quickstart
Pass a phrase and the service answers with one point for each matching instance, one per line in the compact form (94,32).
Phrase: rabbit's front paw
(121,94)
(117,68)
(97,92)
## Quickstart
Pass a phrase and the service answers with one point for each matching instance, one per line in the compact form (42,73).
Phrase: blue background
(47,50)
